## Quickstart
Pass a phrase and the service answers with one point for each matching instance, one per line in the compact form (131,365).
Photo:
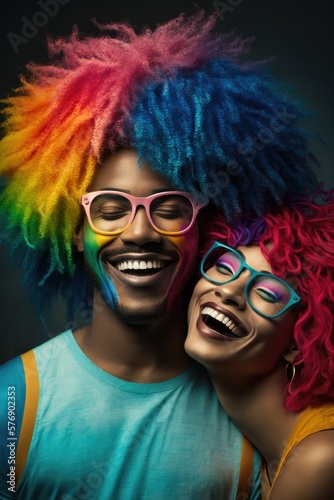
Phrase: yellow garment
(310,421)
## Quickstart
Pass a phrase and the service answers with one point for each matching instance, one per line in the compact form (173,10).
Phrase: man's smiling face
(139,272)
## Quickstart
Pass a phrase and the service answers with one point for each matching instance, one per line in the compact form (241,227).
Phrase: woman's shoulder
(308,471)
(324,412)
(310,421)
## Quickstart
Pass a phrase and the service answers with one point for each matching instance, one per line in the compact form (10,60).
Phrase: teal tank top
(81,433)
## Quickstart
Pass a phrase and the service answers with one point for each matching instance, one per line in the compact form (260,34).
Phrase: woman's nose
(233,292)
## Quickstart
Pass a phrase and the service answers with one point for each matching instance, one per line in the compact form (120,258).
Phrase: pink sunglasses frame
(138,201)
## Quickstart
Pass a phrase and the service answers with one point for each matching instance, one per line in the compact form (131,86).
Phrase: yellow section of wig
(47,157)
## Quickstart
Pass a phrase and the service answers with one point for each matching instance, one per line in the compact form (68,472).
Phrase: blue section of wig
(227,132)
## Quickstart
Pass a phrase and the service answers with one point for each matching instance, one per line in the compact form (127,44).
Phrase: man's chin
(141,315)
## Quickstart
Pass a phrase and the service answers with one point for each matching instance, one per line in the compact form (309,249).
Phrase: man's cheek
(92,247)
(186,244)
(93,243)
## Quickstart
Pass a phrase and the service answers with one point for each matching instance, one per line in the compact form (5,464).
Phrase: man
(122,412)
(139,129)
(139,272)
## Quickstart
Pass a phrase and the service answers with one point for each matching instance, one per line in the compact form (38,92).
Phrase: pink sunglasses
(111,212)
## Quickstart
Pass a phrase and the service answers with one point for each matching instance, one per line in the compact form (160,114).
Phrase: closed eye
(169,213)
(228,264)
(267,295)
(109,213)
(224,268)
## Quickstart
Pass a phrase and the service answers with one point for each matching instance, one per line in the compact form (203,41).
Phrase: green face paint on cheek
(93,244)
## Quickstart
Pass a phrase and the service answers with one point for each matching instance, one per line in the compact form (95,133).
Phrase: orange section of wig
(68,112)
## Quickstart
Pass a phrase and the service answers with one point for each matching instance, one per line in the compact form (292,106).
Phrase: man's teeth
(140,264)
(223,319)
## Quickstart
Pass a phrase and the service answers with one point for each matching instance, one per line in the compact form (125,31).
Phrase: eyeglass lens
(266,293)
(112,212)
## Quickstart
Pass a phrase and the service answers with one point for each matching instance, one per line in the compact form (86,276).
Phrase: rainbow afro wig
(183,95)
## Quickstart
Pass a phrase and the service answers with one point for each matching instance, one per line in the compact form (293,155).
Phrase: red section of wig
(301,240)
(104,73)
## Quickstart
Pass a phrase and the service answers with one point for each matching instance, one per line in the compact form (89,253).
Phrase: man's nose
(140,231)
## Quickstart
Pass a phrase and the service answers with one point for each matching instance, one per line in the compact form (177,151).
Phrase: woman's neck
(258,412)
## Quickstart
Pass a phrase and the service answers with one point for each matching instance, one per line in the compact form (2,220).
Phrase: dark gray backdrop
(298,32)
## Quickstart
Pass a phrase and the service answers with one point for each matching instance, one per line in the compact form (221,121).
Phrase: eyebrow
(154,191)
(114,189)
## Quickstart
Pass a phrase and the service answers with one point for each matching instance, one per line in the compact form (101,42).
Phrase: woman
(261,322)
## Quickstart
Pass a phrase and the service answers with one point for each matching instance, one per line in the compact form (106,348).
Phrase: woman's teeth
(226,324)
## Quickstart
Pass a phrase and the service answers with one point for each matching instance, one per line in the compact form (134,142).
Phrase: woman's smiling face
(225,331)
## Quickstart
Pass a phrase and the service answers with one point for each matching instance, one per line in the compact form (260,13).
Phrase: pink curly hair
(301,239)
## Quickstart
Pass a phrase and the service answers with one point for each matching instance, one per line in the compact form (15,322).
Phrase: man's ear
(291,354)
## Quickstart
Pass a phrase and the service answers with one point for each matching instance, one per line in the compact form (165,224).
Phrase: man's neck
(142,353)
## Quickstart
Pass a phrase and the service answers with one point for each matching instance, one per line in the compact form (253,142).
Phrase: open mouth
(141,267)
(135,269)
(220,323)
